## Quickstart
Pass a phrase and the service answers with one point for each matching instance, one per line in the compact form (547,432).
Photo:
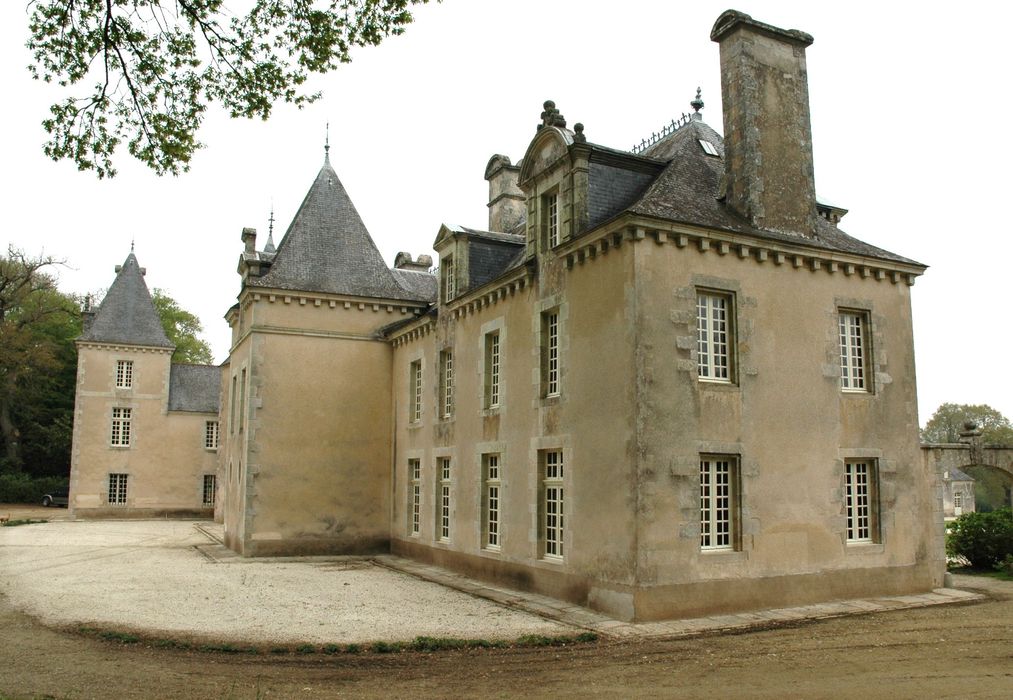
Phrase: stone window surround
(557,303)
(439,454)
(884,471)
(863,309)
(116,492)
(539,446)
(121,434)
(481,450)
(495,325)
(124,374)
(734,505)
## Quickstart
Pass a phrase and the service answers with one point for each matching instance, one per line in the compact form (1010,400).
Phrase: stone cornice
(632,229)
(331,301)
(123,347)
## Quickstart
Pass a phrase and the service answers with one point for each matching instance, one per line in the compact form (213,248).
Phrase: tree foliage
(947,423)
(38,361)
(145,72)
(183,329)
(983,539)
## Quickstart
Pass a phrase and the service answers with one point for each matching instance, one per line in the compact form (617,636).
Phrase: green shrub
(983,539)
(22,488)
(1006,565)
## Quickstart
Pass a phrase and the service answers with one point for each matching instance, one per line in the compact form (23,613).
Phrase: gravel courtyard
(150,576)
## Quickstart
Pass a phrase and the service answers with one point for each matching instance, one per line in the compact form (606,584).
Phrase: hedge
(22,488)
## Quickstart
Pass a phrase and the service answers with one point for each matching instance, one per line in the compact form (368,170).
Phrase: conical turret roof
(328,249)
(127,314)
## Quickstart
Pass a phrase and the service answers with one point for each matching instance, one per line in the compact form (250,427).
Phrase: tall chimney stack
(506,201)
(768,139)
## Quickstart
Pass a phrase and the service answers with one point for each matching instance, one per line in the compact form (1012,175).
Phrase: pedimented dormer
(469,258)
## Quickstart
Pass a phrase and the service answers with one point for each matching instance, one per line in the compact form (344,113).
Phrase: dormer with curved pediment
(554,179)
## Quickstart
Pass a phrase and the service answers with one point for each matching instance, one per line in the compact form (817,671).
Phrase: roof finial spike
(697,105)
(327,142)
(131,245)
(269,246)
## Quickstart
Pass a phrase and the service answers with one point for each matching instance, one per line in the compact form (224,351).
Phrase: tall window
(550,353)
(415,392)
(854,346)
(124,374)
(550,204)
(117,489)
(713,336)
(232,409)
(447,383)
(242,400)
(120,436)
(209,490)
(860,500)
(958,499)
(443,499)
(414,496)
(718,485)
(449,281)
(491,501)
(211,435)
(552,504)
(492,369)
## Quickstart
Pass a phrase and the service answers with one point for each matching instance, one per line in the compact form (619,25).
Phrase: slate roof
(328,249)
(957,475)
(686,191)
(127,314)
(421,285)
(195,388)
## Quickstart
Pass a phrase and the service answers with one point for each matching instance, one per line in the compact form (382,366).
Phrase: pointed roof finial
(269,246)
(327,142)
(696,104)
(131,245)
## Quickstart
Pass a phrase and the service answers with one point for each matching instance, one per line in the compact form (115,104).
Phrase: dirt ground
(945,651)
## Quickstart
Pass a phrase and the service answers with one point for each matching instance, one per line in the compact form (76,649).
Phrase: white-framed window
(718,496)
(860,482)
(211,435)
(232,407)
(550,353)
(415,392)
(448,278)
(958,499)
(120,435)
(447,383)
(443,499)
(242,400)
(714,336)
(491,499)
(208,490)
(551,504)
(414,497)
(492,369)
(852,326)
(117,489)
(124,374)
(550,204)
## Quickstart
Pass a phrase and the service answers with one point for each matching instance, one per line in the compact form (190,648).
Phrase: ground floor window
(860,501)
(443,500)
(414,496)
(117,489)
(209,490)
(491,495)
(718,499)
(551,504)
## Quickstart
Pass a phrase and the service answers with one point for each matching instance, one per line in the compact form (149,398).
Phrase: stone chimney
(768,139)
(403,261)
(506,201)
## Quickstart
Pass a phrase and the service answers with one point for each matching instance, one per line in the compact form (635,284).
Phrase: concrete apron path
(586,619)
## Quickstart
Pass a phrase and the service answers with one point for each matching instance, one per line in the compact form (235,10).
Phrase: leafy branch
(156,66)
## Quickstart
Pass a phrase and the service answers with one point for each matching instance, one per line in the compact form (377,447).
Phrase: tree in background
(947,423)
(38,362)
(183,330)
(153,67)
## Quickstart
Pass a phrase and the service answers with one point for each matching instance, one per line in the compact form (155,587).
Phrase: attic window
(708,148)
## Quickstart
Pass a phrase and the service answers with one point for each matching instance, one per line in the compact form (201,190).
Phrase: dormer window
(550,214)
(447,278)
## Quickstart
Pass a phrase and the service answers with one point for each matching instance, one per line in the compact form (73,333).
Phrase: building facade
(145,430)
(663,383)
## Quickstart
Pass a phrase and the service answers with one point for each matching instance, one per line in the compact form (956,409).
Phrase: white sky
(908,102)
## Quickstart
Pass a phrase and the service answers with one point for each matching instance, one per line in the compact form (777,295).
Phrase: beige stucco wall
(311,456)
(166,460)
(787,420)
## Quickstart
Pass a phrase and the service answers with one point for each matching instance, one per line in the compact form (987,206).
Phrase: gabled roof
(127,314)
(195,388)
(957,475)
(328,249)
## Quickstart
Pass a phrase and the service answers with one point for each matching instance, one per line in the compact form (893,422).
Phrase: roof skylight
(708,147)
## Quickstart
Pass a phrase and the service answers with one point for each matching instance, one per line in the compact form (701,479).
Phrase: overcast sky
(909,102)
